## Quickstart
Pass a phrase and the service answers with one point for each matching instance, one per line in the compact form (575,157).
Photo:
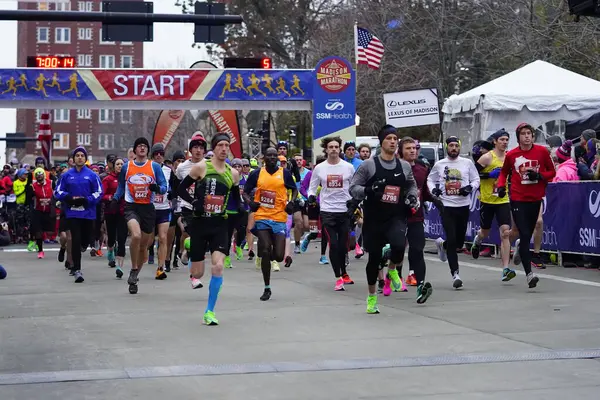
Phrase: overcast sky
(171,48)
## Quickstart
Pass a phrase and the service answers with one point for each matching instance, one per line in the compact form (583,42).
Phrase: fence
(571,214)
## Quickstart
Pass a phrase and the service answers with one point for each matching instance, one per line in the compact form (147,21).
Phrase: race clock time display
(50,62)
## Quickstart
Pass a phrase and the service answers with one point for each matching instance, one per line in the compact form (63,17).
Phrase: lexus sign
(412,108)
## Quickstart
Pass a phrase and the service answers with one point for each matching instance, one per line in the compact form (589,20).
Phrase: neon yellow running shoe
(228,262)
(372,307)
(395,278)
(210,319)
(238,253)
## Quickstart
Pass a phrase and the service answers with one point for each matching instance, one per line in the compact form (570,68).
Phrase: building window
(43,35)
(62,115)
(64,5)
(124,142)
(107,62)
(85,6)
(84,114)
(106,116)
(84,60)
(126,117)
(103,42)
(106,141)
(63,141)
(84,33)
(126,61)
(42,6)
(84,139)
(62,35)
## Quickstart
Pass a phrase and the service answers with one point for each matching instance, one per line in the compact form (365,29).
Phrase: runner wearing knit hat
(162,206)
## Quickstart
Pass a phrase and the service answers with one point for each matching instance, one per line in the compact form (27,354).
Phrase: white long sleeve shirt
(451,175)
(334,180)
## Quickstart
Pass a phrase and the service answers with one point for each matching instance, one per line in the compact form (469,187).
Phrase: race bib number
(140,192)
(453,188)
(495,189)
(391,194)
(213,204)
(45,202)
(335,181)
(159,198)
(267,198)
(313,226)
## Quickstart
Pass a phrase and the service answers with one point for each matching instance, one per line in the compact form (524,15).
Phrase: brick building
(100,131)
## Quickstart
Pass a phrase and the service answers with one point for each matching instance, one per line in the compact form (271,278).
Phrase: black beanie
(386,130)
(139,141)
(349,144)
(178,155)
(218,138)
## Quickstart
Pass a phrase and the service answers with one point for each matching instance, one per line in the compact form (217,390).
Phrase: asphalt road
(490,340)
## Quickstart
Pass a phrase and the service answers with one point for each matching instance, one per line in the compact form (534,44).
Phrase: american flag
(369,49)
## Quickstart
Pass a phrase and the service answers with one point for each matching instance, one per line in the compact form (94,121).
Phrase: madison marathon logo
(594,203)
(334,75)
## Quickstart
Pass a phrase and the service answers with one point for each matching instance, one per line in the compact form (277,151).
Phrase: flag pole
(356,56)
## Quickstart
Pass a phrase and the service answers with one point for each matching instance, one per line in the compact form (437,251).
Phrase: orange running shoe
(411,280)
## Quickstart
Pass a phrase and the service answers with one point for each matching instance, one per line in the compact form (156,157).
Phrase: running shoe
(132,281)
(411,280)
(175,263)
(110,255)
(372,307)
(227,263)
(532,280)
(536,262)
(251,255)
(245,247)
(93,253)
(288,262)
(150,259)
(99,252)
(78,277)
(196,283)
(403,287)
(210,319)
(323,260)
(266,295)
(358,251)
(184,258)
(239,253)
(456,281)
(119,273)
(347,279)
(61,254)
(475,248)
(516,255)
(424,291)
(31,246)
(275,266)
(339,285)
(508,274)
(486,252)
(160,274)
(387,286)
(40,255)
(439,243)
(304,244)
(395,278)
(297,249)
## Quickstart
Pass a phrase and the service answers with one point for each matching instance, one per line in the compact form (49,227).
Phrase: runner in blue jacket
(79,190)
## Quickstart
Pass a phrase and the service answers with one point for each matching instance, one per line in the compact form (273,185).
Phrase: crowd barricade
(571,215)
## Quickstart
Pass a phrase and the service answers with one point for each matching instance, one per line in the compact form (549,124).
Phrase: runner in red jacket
(530,168)
(42,220)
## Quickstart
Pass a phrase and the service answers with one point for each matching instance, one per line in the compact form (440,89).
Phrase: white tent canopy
(536,93)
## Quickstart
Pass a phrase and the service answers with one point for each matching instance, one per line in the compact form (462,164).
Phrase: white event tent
(536,93)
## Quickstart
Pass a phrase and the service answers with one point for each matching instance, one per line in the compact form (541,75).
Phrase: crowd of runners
(201,203)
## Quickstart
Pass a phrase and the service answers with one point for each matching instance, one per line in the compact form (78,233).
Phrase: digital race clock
(50,62)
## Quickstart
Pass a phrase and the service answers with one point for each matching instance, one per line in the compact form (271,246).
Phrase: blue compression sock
(213,292)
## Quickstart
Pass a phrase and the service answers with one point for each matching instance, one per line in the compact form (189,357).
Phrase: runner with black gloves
(530,168)
(453,179)
(390,195)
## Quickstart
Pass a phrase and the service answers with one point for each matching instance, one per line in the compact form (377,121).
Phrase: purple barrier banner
(570,211)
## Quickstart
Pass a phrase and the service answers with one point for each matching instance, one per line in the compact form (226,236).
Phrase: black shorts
(300,209)
(174,217)
(313,213)
(208,233)
(42,222)
(488,211)
(163,216)
(187,216)
(63,226)
(377,234)
(144,214)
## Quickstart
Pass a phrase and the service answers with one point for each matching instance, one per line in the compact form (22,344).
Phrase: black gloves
(437,192)
(352,205)
(465,190)
(254,206)
(113,205)
(289,208)
(412,203)
(376,189)
(299,202)
(312,201)
(502,192)
(153,187)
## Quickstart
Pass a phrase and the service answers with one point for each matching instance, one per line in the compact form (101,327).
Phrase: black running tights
(525,215)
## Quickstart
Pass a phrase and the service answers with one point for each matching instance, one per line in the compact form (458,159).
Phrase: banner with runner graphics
(570,211)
